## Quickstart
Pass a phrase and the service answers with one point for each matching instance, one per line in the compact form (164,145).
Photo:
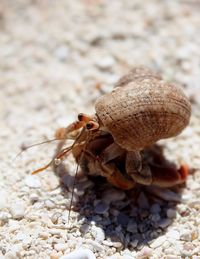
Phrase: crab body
(141,109)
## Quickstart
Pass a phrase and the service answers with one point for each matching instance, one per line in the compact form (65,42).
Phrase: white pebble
(33,181)
(98,233)
(62,53)
(185,234)
(146,252)
(98,247)
(17,210)
(173,234)
(60,247)
(50,204)
(3,199)
(4,216)
(172,257)
(79,254)
(158,242)
(105,63)
(34,197)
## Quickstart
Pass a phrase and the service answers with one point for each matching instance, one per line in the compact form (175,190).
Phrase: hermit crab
(140,110)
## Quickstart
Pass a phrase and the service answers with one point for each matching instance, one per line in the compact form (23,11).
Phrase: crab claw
(166,176)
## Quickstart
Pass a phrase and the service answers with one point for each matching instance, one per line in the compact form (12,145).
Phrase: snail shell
(143,109)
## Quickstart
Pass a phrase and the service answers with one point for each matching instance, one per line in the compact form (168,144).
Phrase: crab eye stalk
(80,116)
(83,117)
(92,125)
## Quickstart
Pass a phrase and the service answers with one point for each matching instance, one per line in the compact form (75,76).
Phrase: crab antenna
(59,155)
(33,145)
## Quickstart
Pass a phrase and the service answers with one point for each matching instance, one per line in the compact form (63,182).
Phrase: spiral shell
(143,109)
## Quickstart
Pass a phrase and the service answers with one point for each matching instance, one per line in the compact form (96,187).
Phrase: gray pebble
(155,217)
(143,201)
(113,195)
(171,213)
(155,208)
(122,219)
(101,208)
(132,227)
(163,223)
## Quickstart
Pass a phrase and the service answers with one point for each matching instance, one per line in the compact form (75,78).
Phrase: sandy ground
(56,58)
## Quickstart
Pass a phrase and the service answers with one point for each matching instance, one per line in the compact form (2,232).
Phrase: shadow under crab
(133,218)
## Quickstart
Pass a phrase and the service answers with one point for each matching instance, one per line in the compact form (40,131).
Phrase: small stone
(173,234)
(34,197)
(50,204)
(32,181)
(98,233)
(55,217)
(54,231)
(164,194)
(122,219)
(79,254)
(117,244)
(171,213)
(13,226)
(155,217)
(113,195)
(60,247)
(98,247)
(17,210)
(3,199)
(105,63)
(158,242)
(163,223)
(155,208)
(143,201)
(171,256)
(132,227)
(186,235)
(146,252)
(44,235)
(84,228)
(4,216)
(62,53)
(101,208)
